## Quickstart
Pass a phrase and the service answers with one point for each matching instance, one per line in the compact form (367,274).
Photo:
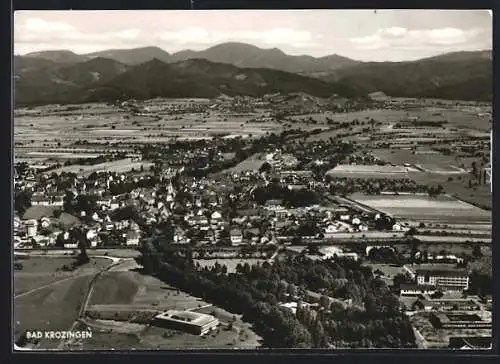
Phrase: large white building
(188,321)
(451,280)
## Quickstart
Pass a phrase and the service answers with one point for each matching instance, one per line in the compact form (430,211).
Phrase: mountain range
(241,69)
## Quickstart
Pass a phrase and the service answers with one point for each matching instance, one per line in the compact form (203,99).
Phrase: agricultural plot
(252,163)
(131,291)
(368,171)
(122,304)
(119,166)
(48,299)
(434,162)
(423,208)
(457,186)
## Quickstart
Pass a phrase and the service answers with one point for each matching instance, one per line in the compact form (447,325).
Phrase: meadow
(425,209)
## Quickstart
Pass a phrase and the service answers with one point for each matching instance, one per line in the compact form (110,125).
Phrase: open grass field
(52,308)
(131,290)
(425,209)
(458,187)
(118,166)
(252,163)
(368,171)
(40,271)
(48,299)
(38,211)
(429,162)
(229,263)
(459,118)
(120,296)
(142,337)
(388,270)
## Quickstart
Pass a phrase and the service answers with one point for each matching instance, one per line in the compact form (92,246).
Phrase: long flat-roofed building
(452,280)
(192,322)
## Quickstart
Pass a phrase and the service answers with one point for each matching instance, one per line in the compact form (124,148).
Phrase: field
(229,263)
(46,299)
(429,162)
(124,300)
(252,163)
(38,211)
(118,166)
(426,209)
(368,171)
(457,187)
(458,118)
(389,271)
(109,335)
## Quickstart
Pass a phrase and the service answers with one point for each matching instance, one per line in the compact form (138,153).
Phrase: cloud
(398,37)
(43,26)
(34,32)
(40,34)
(275,36)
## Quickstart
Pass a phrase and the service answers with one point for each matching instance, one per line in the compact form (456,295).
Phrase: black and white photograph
(252,179)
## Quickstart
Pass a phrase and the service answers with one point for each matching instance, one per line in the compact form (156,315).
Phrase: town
(246,222)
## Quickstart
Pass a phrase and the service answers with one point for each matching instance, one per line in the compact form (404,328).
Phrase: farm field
(451,239)
(368,171)
(51,308)
(429,162)
(119,296)
(40,271)
(457,187)
(119,166)
(252,163)
(425,209)
(40,292)
(459,118)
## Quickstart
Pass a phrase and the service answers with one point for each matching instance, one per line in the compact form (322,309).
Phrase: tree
(265,168)
(22,202)
(474,168)
(68,201)
(401,278)
(476,252)
(411,232)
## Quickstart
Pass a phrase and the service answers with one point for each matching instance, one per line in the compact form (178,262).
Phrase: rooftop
(442,272)
(193,318)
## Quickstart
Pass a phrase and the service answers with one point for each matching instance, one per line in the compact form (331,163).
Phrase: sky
(366,35)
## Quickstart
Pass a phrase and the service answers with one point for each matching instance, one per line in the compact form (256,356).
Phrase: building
(450,280)
(32,228)
(187,321)
(236,237)
(459,321)
(412,289)
(132,238)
